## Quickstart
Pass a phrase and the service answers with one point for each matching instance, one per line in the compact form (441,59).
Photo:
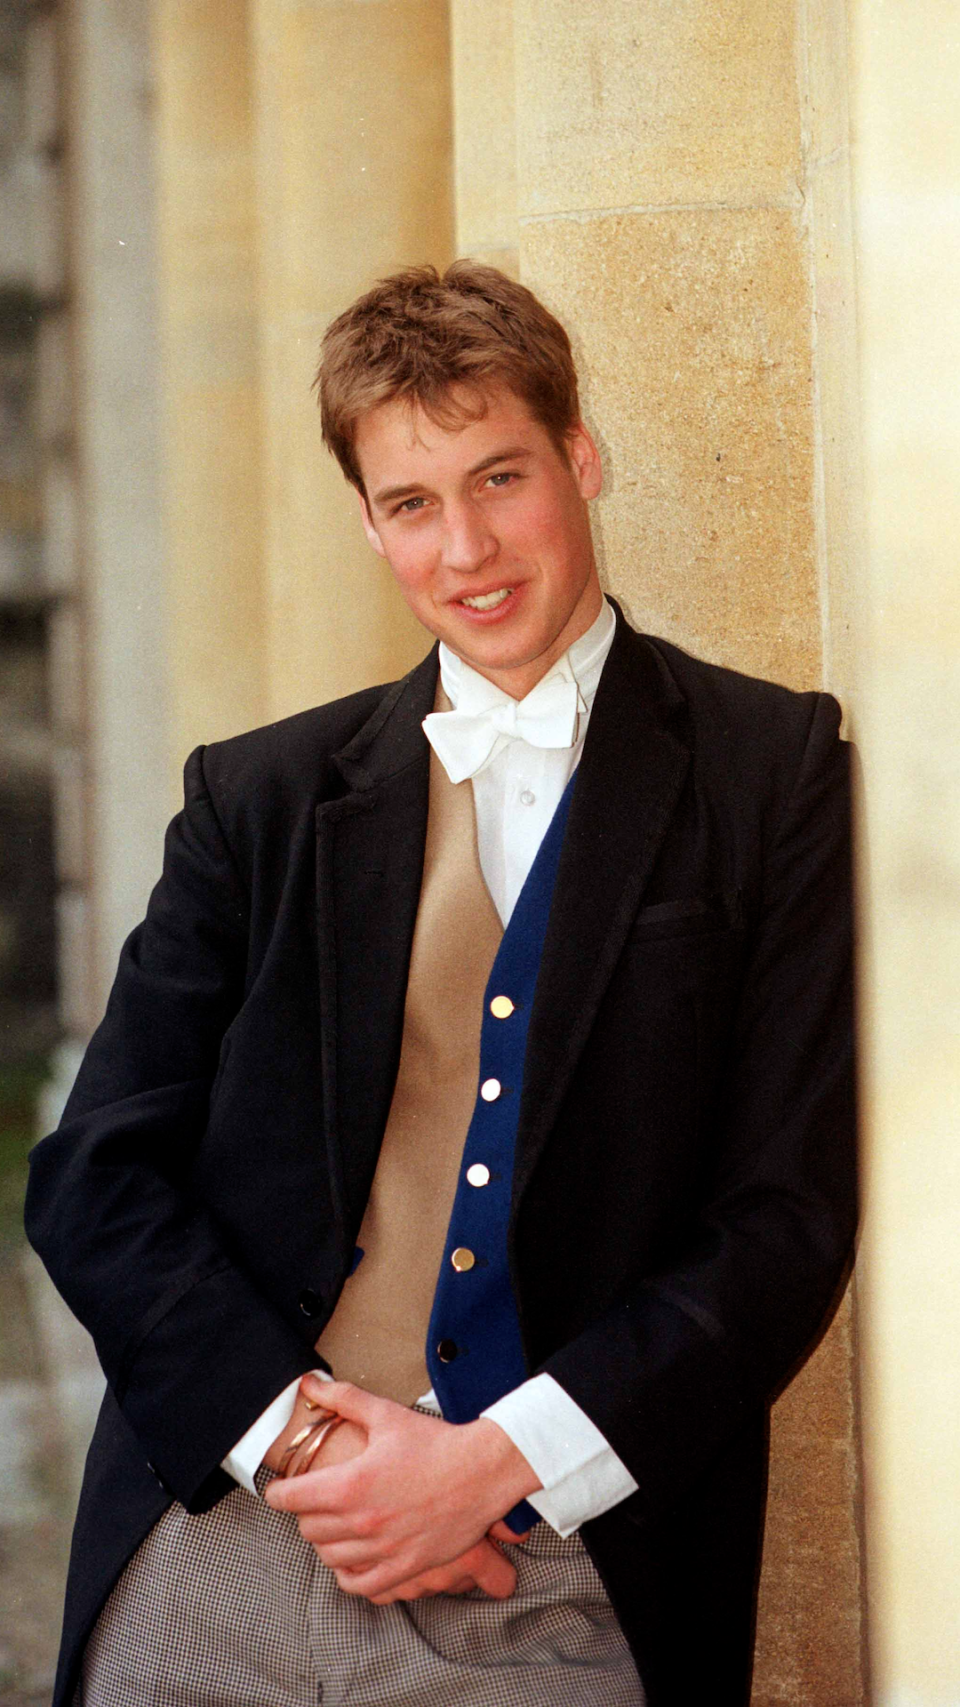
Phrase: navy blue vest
(474,1350)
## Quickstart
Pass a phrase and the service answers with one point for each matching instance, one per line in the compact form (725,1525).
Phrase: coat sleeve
(689,1355)
(173,1315)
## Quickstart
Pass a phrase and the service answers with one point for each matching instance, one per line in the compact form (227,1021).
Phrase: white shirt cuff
(243,1460)
(581,1475)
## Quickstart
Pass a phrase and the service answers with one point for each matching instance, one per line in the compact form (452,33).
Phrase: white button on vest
(528,797)
(490,1089)
(478,1174)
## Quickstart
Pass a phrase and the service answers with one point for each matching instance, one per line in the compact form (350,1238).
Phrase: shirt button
(501,1007)
(447,1350)
(462,1259)
(310,1302)
(490,1089)
(478,1174)
(528,798)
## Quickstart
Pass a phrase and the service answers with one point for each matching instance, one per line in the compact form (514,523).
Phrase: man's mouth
(487,601)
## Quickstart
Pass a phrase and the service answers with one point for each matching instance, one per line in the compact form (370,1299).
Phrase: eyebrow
(510,453)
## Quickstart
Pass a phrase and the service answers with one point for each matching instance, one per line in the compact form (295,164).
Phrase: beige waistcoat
(377,1334)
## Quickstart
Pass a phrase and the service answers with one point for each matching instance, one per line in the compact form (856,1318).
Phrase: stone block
(692,333)
(644,104)
(809,1645)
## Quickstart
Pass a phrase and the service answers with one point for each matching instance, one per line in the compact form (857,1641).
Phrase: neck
(521,679)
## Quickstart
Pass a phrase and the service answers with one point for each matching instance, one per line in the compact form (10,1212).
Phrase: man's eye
(410,506)
(502,478)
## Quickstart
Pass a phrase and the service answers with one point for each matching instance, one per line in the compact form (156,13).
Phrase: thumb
(501,1531)
(352,1403)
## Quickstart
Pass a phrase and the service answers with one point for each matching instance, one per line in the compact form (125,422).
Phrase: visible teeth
(488,601)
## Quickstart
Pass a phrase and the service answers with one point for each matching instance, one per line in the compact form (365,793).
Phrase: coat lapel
(628,784)
(370,846)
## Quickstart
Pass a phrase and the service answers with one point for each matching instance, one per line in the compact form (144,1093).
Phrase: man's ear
(368,526)
(585,461)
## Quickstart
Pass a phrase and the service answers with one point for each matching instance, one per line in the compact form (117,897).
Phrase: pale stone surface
(636,104)
(113,262)
(692,331)
(41,103)
(718,347)
(838,455)
(809,1646)
(69,793)
(77,995)
(355,181)
(49,268)
(61,545)
(207,219)
(839,458)
(65,669)
(485,131)
(53,398)
(906,127)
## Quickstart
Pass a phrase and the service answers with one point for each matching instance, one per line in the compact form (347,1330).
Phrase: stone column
(352,115)
(113,317)
(906,128)
(208,228)
(665,159)
(485,131)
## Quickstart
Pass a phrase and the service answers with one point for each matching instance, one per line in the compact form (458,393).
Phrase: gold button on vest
(377,1334)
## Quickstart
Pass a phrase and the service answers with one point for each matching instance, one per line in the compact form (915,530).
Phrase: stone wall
(678,182)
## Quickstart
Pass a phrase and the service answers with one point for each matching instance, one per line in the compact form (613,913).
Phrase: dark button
(310,1302)
(447,1350)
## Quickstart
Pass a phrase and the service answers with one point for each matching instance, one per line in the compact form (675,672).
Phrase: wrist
(504,1467)
(304,1413)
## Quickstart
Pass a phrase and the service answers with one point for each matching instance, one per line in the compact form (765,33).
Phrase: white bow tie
(463,740)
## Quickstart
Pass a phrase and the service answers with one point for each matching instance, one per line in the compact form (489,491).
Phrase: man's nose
(468,542)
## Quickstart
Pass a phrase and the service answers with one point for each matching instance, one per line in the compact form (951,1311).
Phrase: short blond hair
(420,336)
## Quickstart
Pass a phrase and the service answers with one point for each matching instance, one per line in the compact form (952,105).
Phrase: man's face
(485,527)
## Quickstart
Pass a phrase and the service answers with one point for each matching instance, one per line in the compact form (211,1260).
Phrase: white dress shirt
(516,792)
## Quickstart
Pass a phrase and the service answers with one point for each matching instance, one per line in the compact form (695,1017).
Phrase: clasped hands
(398,1504)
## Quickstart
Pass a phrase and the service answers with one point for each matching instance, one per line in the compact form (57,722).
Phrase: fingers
(417,1588)
(300,1493)
(493,1572)
(354,1403)
(481,1567)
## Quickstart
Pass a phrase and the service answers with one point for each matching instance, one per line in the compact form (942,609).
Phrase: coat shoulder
(754,743)
(712,689)
(762,721)
(266,773)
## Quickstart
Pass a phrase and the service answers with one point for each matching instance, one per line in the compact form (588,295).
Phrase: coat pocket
(692,915)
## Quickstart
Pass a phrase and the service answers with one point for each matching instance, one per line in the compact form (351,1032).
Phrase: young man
(487,1045)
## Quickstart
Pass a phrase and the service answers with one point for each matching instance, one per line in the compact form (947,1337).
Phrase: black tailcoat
(684,1197)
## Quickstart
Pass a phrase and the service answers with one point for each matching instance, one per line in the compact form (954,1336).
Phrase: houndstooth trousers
(232,1608)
